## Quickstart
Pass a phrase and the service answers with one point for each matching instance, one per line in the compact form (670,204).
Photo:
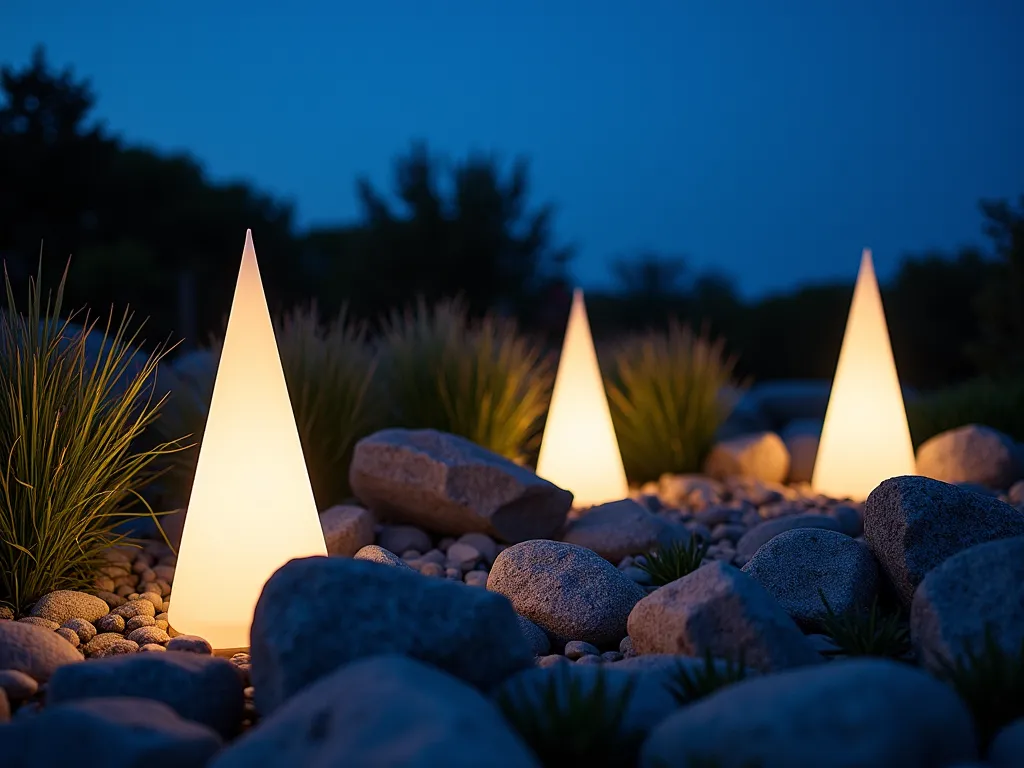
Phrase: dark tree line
(151,231)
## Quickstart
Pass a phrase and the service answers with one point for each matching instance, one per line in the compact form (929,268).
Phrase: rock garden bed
(467,616)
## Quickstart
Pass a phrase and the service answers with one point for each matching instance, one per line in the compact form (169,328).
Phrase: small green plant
(480,379)
(870,633)
(330,371)
(689,685)
(990,682)
(570,721)
(666,396)
(995,403)
(673,560)
(71,415)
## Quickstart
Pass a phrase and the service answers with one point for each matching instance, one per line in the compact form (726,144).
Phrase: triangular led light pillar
(579,451)
(251,508)
(865,438)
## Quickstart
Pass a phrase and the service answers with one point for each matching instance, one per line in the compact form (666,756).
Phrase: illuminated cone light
(865,438)
(251,508)
(579,451)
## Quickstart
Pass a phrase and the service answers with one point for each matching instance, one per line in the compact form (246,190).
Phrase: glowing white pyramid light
(865,438)
(251,508)
(579,451)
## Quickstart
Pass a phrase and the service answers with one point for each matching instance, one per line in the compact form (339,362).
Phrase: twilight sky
(769,139)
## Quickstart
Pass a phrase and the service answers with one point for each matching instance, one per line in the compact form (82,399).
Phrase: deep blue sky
(771,139)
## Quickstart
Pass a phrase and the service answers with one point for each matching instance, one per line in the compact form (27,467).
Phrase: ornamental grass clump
(667,392)
(480,379)
(569,721)
(674,560)
(330,371)
(71,415)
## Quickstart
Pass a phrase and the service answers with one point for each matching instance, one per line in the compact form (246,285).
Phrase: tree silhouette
(462,230)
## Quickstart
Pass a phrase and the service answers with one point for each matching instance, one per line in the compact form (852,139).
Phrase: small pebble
(147,635)
(17,685)
(461,555)
(39,622)
(134,608)
(191,644)
(84,629)
(445,543)
(433,556)
(154,597)
(453,574)
(119,647)
(6,614)
(124,590)
(611,656)
(551,661)
(164,573)
(150,647)
(576,649)
(431,569)
(476,578)
(112,622)
(161,624)
(137,622)
(589,659)
(626,647)
(111,599)
(70,635)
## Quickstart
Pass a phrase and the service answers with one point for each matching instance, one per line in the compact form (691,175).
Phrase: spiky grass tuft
(689,685)
(480,379)
(71,415)
(673,560)
(870,633)
(666,392)
(571,722)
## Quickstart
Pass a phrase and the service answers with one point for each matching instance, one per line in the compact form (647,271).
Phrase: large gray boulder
(762,533)
(33,650)
(128,733)
(385,711)
(204,689)
(794,565)
(621,528)
(846,714)
(762,456)
(970,454)
(981,586)
(570,592)
(447,484)
(317,614)
(914,524)
(721,610)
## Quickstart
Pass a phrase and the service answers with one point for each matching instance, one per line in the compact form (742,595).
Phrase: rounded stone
(191,644)
(137,623)
(570,592)
(67,604)
(112,622)
(35,651)
(17,685)
(70,635)
(38,621)
(147,635)
(134,608)
(82,628)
